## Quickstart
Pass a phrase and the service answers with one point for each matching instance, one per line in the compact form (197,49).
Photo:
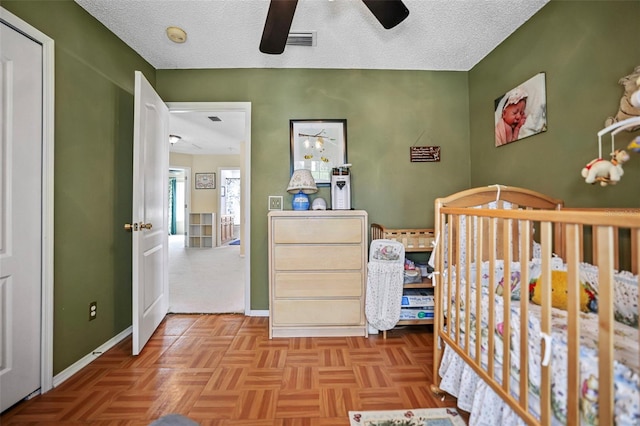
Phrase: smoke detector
(176,34)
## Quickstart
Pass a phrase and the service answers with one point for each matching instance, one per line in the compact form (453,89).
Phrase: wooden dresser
(317,273)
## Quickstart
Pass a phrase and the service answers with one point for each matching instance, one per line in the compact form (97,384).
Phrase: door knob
(146,225)
(130,228)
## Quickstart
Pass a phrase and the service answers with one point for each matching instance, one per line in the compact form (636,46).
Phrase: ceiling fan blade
(389,12)
(277,25)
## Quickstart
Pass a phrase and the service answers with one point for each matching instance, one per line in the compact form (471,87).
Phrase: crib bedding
(475,396)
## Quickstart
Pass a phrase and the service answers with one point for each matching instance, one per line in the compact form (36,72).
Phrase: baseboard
(58,379)
(263,313)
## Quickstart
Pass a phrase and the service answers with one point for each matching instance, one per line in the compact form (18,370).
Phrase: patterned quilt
(460,380)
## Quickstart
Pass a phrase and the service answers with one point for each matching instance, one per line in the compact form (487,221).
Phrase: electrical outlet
(275,202)
(93,310)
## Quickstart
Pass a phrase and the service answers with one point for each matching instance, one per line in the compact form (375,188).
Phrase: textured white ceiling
(438,34)
(452,35)
(201,136)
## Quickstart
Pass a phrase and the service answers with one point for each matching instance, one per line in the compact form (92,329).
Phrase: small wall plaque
(424,154)
(205,181)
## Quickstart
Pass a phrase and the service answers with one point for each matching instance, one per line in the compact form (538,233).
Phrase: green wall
(93,175)
(386,113)
(584,47)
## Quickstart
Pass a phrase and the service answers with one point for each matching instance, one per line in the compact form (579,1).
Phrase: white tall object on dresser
(317,273)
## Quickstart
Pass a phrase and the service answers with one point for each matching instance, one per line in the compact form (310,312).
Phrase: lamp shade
(302,181)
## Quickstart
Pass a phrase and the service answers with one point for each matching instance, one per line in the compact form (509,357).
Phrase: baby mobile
(609,172)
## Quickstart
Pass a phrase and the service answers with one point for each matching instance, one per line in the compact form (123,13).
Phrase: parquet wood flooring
(222,370)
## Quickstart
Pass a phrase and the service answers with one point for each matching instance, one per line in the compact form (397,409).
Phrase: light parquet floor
(222,370)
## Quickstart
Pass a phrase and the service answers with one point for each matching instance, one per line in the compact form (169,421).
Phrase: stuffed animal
(589,401)
(634,145)
(635,96)
(604,171)
(559,283)
(628,107)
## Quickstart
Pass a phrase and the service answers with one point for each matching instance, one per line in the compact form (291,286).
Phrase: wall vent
(303,38)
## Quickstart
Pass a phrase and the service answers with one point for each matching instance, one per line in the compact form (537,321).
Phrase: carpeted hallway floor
(205,280)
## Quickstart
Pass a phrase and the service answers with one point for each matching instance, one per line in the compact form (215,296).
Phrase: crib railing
(625,246)
(493,235)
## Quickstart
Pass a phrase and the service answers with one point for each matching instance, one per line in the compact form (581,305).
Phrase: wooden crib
(510,232)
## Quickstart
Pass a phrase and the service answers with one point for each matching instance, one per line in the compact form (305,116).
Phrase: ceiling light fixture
(174,138)
(176,34)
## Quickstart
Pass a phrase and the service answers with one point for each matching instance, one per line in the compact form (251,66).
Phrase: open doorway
(178,205)
(230,205)
(211,278)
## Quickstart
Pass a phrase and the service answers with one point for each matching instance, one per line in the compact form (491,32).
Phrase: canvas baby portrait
(522,111)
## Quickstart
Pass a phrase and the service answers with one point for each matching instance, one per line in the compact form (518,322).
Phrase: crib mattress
(460,380)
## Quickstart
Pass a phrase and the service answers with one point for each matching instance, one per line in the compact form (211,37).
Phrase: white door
(150,204)
(20,215)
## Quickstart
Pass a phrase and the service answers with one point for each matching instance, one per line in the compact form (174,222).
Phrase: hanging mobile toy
(609,172)
(604,171)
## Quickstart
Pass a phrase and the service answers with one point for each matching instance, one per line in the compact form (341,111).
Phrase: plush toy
(604,171)
(635,96)
(634,145)
(589,400)
(628,107)
(588,301)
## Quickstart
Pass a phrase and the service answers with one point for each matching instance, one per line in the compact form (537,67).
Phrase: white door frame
(46,338)
(245,173)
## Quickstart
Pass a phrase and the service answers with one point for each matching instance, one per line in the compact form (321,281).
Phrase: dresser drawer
(312,258)
(317,312)
(317,284)
(318,231)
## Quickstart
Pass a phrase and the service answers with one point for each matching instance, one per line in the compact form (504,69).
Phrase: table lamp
(300,185)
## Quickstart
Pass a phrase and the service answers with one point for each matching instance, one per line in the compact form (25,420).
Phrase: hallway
(205,280)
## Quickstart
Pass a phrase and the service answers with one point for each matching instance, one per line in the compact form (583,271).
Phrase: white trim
(245,177)
(258,313)
(89,358)
(48,125)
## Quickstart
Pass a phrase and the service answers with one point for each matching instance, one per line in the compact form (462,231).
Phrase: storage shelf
(414,240)
(428,321)
(426,283)
(201,230)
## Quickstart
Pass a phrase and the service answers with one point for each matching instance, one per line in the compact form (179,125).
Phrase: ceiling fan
(276,28)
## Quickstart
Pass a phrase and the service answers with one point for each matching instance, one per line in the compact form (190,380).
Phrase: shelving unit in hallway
(201,230)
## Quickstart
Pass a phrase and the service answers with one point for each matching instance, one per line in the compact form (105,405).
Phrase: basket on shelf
(414,239)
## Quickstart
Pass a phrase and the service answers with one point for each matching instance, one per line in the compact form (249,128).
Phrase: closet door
(21,147)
